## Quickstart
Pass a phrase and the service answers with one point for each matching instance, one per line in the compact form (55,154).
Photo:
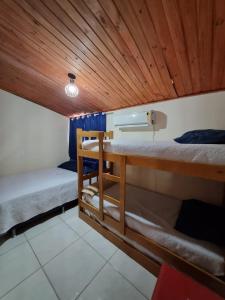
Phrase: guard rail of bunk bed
(211,172)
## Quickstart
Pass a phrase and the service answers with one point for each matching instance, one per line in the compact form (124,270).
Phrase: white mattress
(26,195)
(154,216)
(198,153)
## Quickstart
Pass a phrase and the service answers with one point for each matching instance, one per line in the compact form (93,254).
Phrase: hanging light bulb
(71,89)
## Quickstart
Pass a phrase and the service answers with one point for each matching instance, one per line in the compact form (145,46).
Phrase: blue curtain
(88,122)
(95,122)
(74,124)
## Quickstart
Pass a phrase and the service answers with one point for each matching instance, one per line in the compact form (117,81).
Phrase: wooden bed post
(79,165)
(109,135)
(100,174)
(122,192)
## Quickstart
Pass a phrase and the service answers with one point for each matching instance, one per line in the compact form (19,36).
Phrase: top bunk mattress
(171,150)
(29,194)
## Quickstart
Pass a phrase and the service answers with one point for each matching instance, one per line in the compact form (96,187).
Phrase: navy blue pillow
(87,170)
(204,136)
(92,163)
(202,221)
(70,165)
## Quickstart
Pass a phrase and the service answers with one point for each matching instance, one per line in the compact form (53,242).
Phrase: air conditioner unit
(140,119)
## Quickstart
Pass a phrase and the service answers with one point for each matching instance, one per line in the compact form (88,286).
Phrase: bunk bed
(142,247)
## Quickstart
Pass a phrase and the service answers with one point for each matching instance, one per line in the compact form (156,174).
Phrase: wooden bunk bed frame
(101,221)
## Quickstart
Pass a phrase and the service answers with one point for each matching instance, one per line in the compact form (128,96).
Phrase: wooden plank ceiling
(124,52)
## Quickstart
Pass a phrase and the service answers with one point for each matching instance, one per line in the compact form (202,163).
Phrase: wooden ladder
(118,179)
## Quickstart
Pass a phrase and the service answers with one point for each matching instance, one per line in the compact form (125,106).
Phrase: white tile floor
(64,258)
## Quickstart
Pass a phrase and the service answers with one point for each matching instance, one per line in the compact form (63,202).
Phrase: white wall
(189,113)
(31,137)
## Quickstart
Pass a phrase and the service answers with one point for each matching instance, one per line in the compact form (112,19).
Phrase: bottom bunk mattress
(154,215)
(26,195)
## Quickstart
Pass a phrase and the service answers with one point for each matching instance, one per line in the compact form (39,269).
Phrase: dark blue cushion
(208,136)
(70,165)
(87,170)
(92,163)
(202,221)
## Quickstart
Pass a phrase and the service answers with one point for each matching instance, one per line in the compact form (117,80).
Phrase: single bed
(27,195)
(171,150)
(154,216)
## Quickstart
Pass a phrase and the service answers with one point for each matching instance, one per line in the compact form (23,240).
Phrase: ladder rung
(111,200)
(114,178)
(90,207)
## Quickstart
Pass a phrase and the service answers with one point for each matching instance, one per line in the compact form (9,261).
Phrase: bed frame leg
(13,232)
(63,209)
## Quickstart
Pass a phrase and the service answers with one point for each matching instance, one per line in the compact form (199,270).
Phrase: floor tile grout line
(70,227)
(28,276)
(128,280)
(40,265)
(43,265)
(86,286)
(26,237)
(107,261)
(15,245)
(79,237)
(28,240)
(53,225)
(43,270)
(69,216)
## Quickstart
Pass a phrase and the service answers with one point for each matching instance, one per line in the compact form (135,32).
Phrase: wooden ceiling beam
(78,63)
(176,31)
(122,29)
(124,53)
(108,26)
(137,33)
(68,35)
(98,35)
(28,86)
(157,13)
(75,104)
(34,37)
(155,48)
(205,35)
(218,53)
(40,64)
(188,12)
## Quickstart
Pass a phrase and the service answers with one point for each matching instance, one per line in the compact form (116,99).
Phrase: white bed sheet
(198,153)
(154,216)
(26,195)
